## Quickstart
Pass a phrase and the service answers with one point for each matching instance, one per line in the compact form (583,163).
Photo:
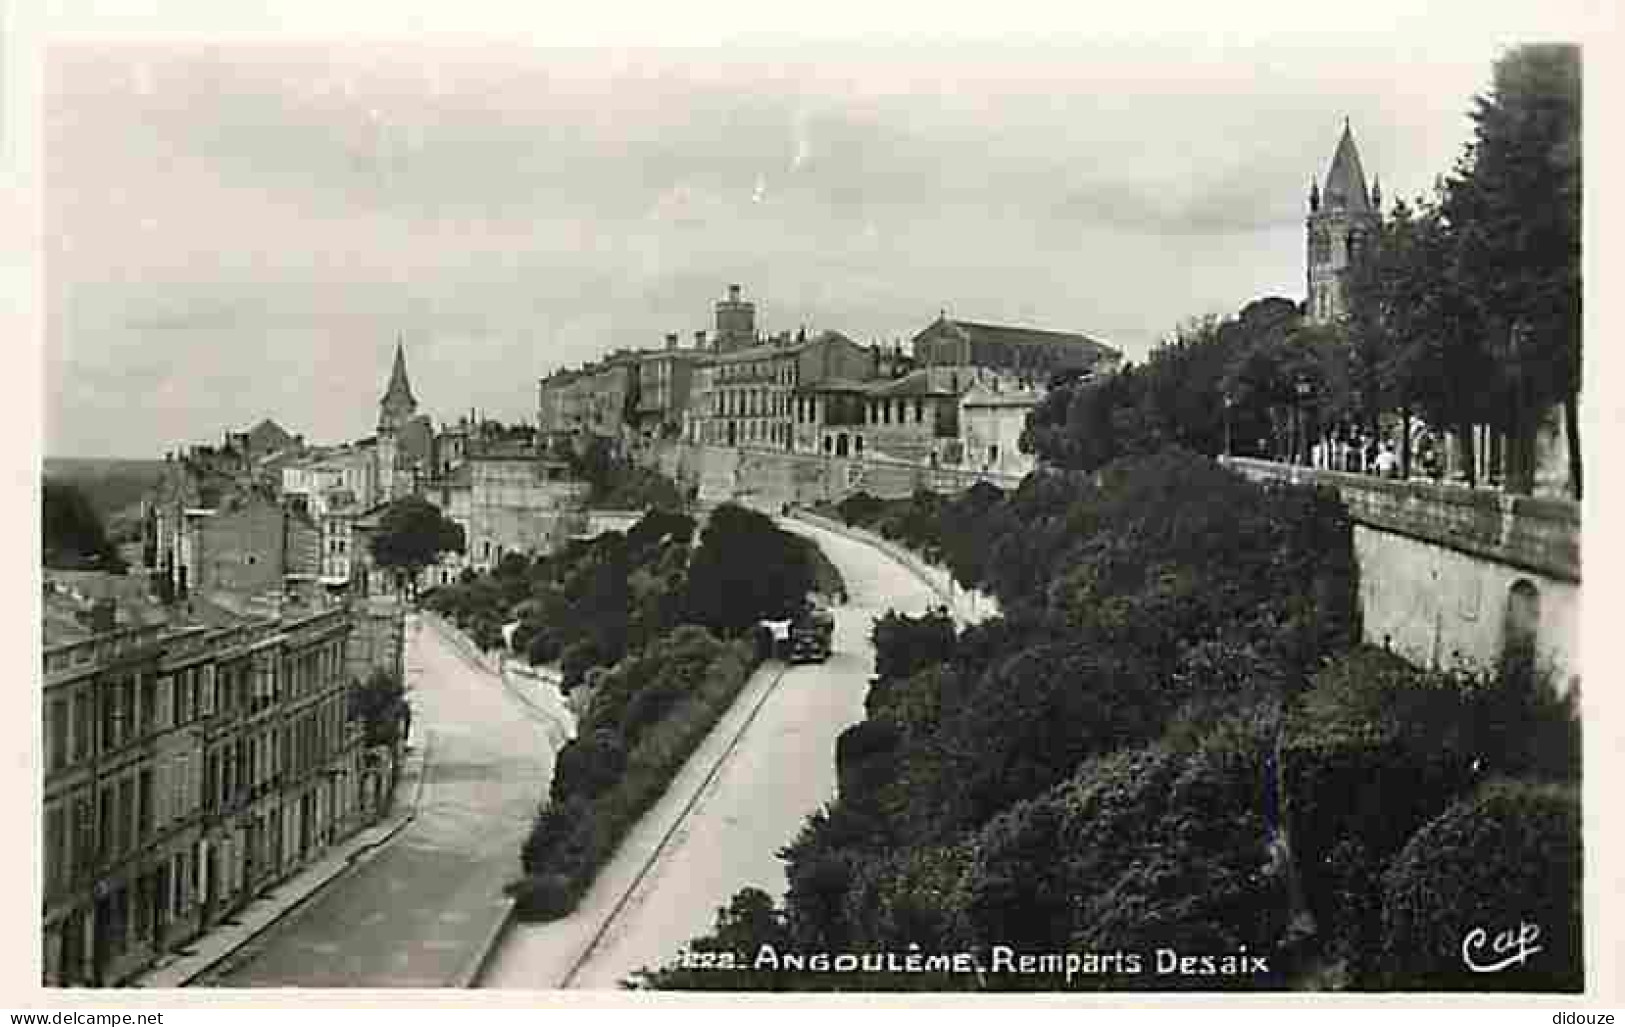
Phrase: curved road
(419,911)
(744,795)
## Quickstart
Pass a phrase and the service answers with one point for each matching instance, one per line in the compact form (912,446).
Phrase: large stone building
(592,400)
(507,498)
(1342,217)
(185,771)
(746,397)
(664,383)
(1031,352)
(266,439)
(334,488)
(992,416)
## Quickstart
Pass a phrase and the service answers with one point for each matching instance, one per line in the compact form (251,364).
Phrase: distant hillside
(111,486)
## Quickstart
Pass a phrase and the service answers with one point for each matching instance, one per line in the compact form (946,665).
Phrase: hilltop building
(1342,217)
(736,323)
(1031,352)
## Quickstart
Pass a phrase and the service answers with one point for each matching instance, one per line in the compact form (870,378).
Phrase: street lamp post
(1301,449)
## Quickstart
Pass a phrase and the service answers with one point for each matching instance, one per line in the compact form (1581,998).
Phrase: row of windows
(840,409)
(106,714)
(758,370)
(107,821)
(749,403)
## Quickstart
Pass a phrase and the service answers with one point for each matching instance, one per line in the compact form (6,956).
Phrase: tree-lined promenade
(1465,310)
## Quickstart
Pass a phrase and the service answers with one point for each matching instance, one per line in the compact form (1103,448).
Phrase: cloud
(230,209)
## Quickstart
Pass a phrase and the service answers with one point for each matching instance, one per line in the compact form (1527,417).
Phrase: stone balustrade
(1537,533)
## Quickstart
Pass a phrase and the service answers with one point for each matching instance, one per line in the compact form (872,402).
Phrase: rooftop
(1015,335)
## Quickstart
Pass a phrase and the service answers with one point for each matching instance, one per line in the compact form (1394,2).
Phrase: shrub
(1508,855)
(588,765)
(864,760)
(859,509)
(905,645)
(660,705)
(543,896)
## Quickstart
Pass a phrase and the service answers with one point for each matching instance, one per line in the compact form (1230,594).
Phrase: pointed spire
(1345,182)
(1314,196)
(398,403)
(1376,193)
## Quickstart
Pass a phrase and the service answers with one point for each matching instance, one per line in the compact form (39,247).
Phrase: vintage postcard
(1093,513)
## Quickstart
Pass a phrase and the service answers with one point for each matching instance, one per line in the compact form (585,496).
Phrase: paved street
(781,769)
(417,913)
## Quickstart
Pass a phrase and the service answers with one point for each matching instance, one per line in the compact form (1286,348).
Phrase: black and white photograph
(805,512)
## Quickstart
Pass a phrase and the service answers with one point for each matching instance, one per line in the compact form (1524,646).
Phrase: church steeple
(398,404)
(1337,227)
(1345,182)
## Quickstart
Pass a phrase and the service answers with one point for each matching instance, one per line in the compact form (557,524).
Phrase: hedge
(1506,859)
(578,833)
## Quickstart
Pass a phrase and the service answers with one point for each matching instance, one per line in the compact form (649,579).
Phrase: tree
(1515,205)
(379,703)
(72,533)
(745,570)
(413,535)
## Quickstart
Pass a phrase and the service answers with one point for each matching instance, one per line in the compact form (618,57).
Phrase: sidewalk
(203,954)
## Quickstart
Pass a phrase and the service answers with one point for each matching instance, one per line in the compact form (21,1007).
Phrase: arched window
(1522,624)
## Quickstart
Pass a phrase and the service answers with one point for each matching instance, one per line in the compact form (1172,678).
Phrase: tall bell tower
(1342,216)
(396,408)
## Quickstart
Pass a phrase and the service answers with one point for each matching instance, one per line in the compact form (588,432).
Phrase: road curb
(357,856)
(543,716)
(912,562)
(470,976)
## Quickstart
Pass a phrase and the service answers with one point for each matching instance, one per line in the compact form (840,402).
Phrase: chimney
(671,340)
(699,339)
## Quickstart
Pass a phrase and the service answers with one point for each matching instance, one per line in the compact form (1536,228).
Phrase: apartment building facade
(186,770)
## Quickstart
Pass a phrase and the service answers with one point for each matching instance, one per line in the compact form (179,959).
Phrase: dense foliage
(745,569)
(654,621)
(1169,743)
(618,483)
(379,704)
(72,534)
(1465,309)
(1506,861)
(647,715)
(113,488)
(586,604)
(413,535)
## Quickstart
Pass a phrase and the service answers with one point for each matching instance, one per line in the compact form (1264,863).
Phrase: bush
(859,509)
(905,645)
(1507,856)
(588,765)
(1375,749)
(864,760)
(647,717)
(543,896)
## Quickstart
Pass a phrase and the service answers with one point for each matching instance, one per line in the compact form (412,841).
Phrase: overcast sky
(242,229)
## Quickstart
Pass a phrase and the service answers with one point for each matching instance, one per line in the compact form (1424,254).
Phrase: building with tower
(405,437)
(736,323)
(1342,216)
